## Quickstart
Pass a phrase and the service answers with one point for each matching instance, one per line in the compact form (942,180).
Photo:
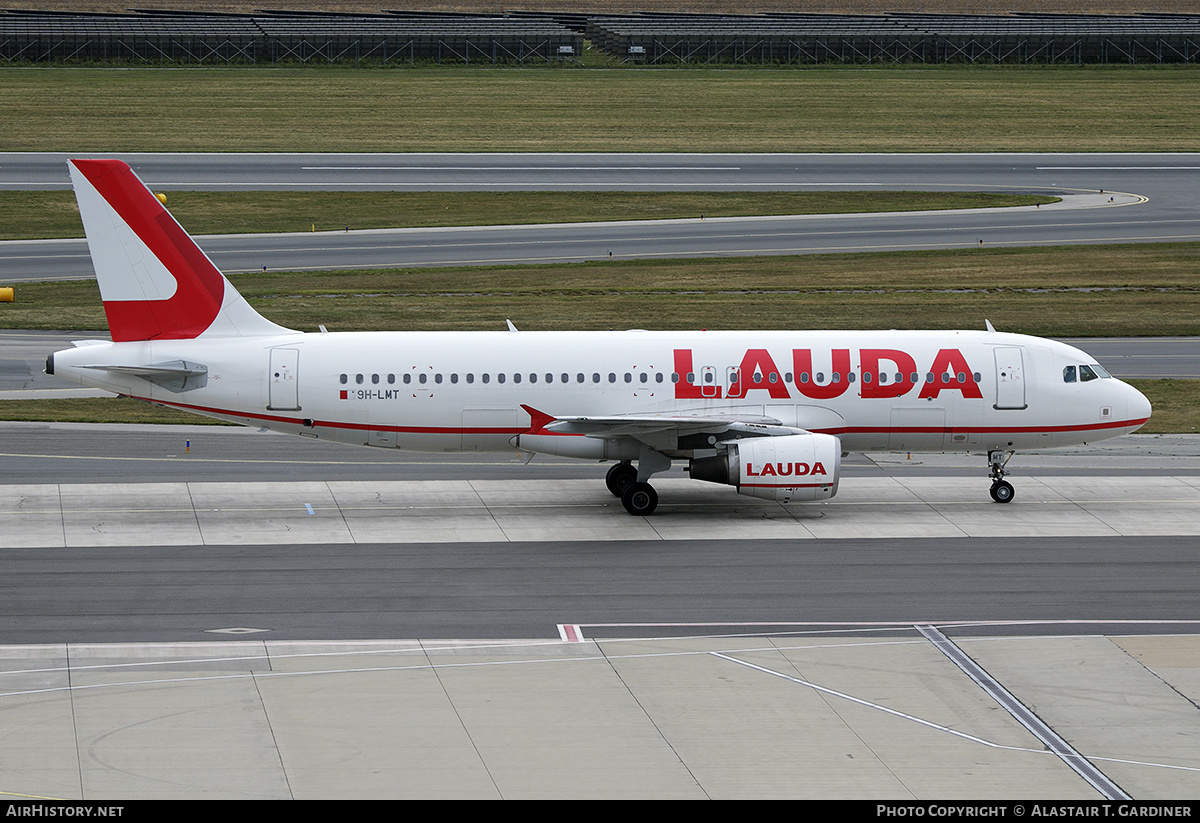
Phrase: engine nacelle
(801,467)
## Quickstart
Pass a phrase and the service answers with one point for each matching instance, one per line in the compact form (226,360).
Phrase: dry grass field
(40,215)
(1081,291)
(485,109)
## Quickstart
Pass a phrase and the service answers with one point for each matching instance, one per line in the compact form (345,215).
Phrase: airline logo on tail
(155,282)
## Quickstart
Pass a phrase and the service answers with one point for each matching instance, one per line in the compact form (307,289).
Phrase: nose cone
(1137,407)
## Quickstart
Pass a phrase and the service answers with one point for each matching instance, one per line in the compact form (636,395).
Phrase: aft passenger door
(283,392)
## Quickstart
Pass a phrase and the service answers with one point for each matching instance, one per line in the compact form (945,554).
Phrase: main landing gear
(620,477)
(1002,490)
(637,496)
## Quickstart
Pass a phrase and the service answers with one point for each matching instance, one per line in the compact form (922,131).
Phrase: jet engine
(802,467)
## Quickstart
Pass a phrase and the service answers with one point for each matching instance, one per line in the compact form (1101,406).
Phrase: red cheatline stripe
(337,424)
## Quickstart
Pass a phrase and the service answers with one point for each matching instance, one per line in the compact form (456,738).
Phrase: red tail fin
(155,281)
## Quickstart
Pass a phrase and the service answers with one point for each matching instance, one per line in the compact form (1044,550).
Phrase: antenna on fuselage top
(511,327)
(989,325)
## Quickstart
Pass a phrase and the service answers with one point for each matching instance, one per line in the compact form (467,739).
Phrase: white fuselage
(440,391)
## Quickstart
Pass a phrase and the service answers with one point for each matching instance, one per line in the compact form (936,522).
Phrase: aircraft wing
(653,429)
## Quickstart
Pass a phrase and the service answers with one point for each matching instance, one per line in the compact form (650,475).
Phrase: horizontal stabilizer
(176,375)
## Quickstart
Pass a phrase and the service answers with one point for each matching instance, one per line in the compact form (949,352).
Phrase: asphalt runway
(205,612)
(1111,198)
(327,542)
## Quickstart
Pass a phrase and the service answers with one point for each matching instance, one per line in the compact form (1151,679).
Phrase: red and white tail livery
(155,282)
(767,412)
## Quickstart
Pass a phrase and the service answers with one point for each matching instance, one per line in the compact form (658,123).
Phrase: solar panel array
(521,37)
(899,38)
(281,37)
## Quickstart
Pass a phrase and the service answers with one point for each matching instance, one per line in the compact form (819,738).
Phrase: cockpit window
(1069,374)
(1086,374)
(1099,370)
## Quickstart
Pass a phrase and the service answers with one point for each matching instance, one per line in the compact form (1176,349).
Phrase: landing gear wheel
(1002,491)
(640,499)
(619,478)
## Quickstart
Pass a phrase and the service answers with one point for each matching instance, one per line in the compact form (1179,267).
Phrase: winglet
(155,281)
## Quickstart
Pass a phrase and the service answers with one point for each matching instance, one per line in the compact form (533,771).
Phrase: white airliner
(770,413)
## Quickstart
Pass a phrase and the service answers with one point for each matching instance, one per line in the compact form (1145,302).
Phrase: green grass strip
(1082,291)
(457,109)
(42,215)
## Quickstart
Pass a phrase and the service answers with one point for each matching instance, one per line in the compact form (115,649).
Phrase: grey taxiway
(1107,198)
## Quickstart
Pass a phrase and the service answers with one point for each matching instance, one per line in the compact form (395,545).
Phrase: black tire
(619,478)
(1002,491)
(640,499)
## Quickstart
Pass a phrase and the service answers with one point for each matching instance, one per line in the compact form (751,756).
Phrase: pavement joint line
(1023,715)
(877,706)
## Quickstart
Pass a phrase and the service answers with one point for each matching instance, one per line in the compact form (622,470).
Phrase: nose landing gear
(1002,491)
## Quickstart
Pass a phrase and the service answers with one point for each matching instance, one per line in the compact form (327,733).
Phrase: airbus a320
(770,413)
